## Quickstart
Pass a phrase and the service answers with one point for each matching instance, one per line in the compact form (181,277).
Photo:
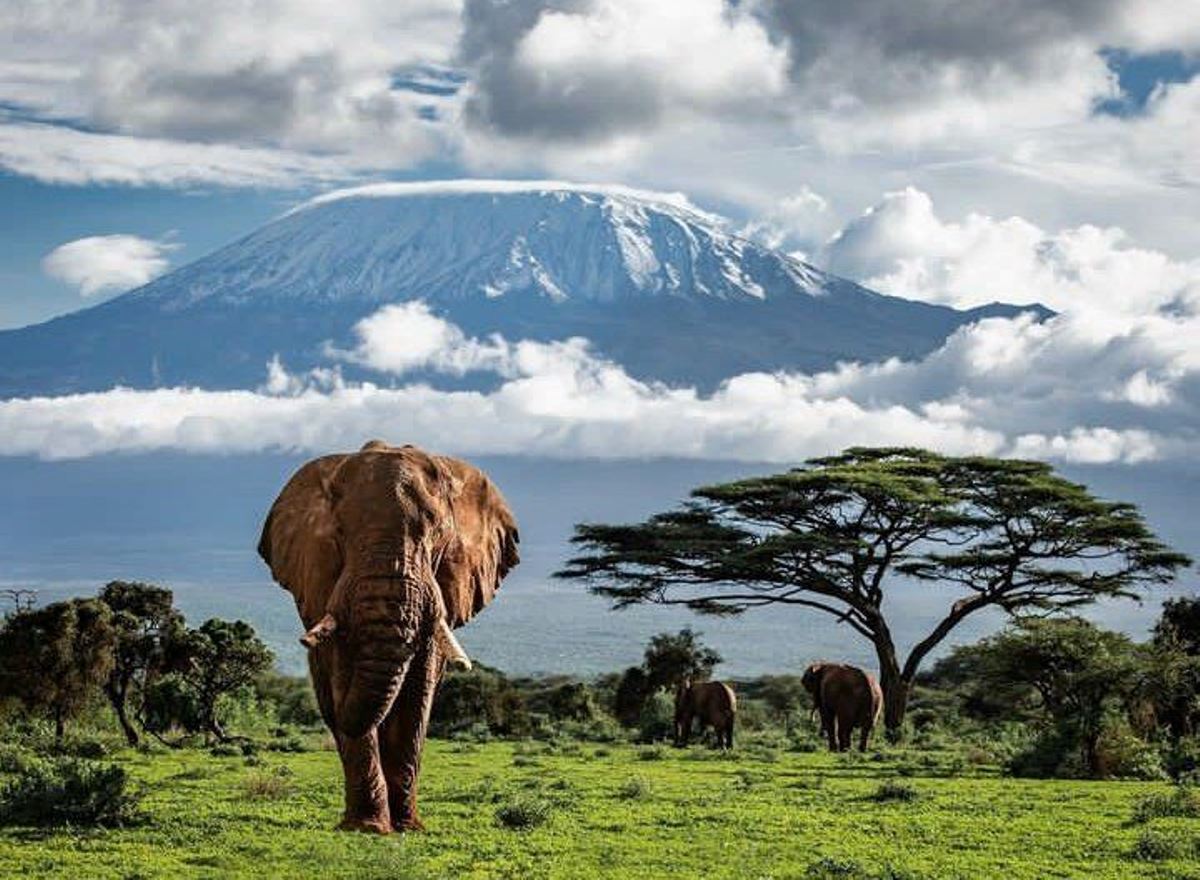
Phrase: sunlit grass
(610,812)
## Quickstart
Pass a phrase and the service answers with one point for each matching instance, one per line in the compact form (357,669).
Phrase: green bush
(69,791)
(894,791)
(1181,759)
(636,788)
(1182,802)
(524,811)
(1124,755)
(1157,846)
(657,721)
(15,758)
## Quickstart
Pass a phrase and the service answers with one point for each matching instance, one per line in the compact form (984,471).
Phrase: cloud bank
(102,263)
(995,388)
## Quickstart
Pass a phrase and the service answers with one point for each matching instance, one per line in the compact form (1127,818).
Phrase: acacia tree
(145,619)
(54,659)
(837,534)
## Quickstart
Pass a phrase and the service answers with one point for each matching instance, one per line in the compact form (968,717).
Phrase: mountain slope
(662,288)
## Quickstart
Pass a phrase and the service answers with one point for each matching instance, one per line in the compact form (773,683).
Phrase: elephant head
(811,680)
(385,550)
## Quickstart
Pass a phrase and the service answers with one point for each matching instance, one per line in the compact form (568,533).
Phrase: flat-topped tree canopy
(838,532)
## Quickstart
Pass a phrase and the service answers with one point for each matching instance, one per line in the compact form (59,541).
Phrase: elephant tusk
(320,631)
(450,647)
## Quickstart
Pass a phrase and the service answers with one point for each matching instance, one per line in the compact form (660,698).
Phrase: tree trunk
(895,689)
(59,725)
(116,696)
(131,734)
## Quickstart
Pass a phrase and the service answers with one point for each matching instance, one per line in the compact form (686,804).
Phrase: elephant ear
(300,540)
(482,545)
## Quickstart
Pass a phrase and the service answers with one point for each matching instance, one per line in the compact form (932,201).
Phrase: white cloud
(55,154)
(995,388)
(102,263)
(900,246)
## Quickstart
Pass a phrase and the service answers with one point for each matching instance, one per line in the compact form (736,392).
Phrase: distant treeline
(1045,696)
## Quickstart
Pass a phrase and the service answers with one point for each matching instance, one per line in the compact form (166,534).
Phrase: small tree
(836,535)
(54,659)
(672,657)
(224,657)
(144,619)
(629,698)
(1171,681)
(783,694)
(1075,673)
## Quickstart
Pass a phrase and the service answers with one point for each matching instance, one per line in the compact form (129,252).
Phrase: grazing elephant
(385,550)
(713,702)
(846,697)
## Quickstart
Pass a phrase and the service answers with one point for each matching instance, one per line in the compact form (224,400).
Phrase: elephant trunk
(388,630)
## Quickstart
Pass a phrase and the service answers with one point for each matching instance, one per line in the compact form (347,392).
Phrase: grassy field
(623,811)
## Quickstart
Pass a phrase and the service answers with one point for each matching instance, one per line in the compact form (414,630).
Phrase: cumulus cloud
(901,246)
(583,71)
(301,75)
(994,388)
(102,263)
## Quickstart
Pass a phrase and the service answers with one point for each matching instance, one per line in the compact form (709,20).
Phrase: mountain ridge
(658,285)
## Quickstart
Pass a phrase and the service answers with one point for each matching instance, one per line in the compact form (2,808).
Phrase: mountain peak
(456,240)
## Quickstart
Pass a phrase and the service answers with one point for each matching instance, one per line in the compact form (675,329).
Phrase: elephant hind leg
(845,730)
(863,736)
(829,725)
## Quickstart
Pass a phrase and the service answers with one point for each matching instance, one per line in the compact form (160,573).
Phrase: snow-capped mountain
(661,287)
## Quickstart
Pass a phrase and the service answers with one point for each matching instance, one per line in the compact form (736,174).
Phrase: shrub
(1181,759)
(226,750)
(269,785)
(69,791)
(635,789)
(657,720)
(834,869)
(894,791)
(1122,754)
(651,753)
(1041,759)
(1155,846)
(293,743)
(524,811)
(1182,802)
(82,747)
(15,759)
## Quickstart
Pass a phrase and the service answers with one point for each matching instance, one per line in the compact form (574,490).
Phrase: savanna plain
(532,808)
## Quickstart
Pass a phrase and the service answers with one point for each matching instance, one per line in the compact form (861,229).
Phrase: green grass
(610,812)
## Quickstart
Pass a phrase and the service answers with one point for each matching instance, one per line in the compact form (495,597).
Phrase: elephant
(846,697)
(385,551)
(713,702)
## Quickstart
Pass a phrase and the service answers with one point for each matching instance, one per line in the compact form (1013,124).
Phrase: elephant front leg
(402,737)
(366,790)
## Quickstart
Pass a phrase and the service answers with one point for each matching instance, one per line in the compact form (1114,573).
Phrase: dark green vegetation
(838,533)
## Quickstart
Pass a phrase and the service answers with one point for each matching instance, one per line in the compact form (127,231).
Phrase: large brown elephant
(846,697)
(385,550)
(713,702)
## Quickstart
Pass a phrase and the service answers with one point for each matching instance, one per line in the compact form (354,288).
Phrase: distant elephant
(846,697)
(385,550)
(713,702)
